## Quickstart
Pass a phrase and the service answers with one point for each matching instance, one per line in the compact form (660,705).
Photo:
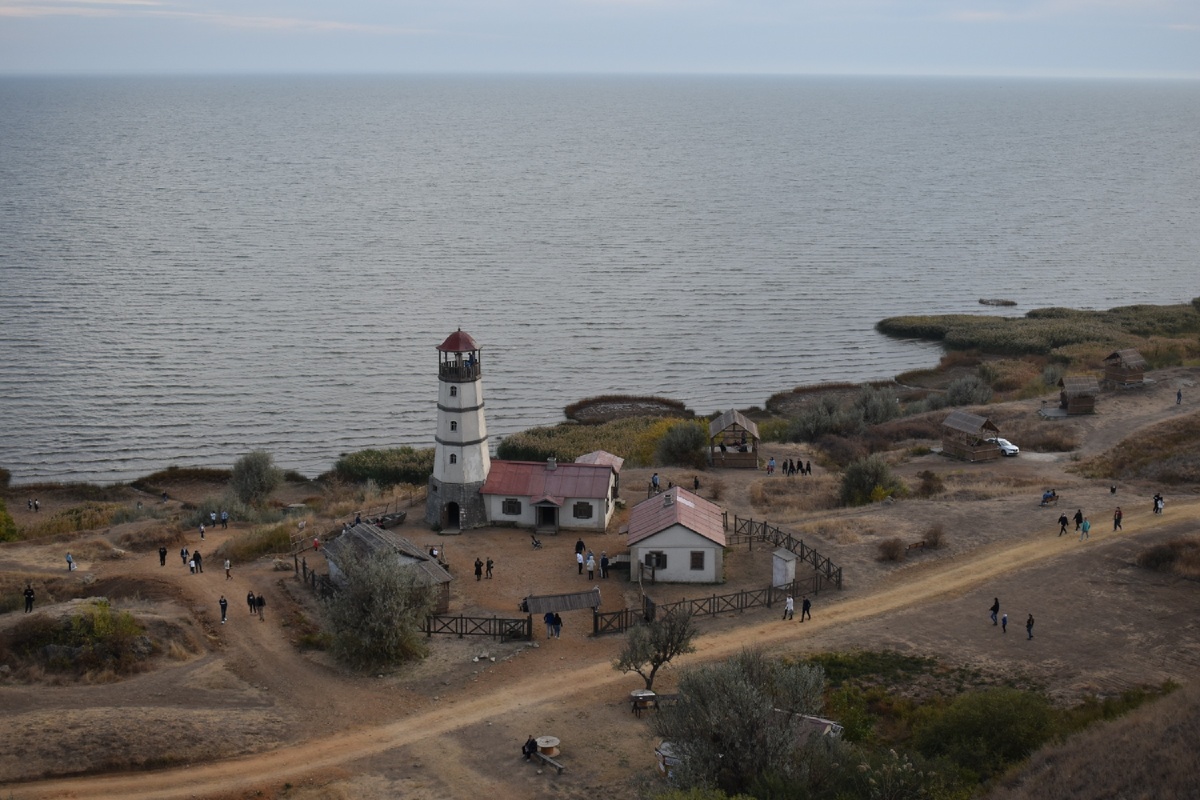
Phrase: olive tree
(254,477)
(740,719)
(376,612)
(654,645)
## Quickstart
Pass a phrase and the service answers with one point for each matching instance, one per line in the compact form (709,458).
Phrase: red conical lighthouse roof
(458,342)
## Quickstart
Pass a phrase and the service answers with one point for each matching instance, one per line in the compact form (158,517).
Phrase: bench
(917,545)
(548,761)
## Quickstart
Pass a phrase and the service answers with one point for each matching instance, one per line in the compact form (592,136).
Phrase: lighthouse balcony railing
(452,371)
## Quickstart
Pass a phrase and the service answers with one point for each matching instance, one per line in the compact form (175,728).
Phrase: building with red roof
(549,495)
(676,537)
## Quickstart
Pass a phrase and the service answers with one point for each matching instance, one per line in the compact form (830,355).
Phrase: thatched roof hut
(733,441)
(1125,368)
(1079,393)
(964,435)
(369,541)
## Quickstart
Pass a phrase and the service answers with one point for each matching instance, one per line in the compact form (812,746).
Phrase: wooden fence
(766,597)
(747,531)
(503,628)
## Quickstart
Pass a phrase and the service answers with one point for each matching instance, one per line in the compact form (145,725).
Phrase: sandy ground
(249,715)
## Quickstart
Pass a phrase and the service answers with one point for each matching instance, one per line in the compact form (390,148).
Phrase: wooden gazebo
(1079,393)
(733,441)
(1125,368)
(964,435)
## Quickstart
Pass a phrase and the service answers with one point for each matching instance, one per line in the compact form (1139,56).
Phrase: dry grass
(782,497)
(1167,453)
(1177,557)
(1154,746)
(892,549)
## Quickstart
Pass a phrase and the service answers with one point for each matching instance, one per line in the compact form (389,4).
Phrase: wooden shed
(1078,395)
(1125,368)
(369,541)
(733,441)
(965,435)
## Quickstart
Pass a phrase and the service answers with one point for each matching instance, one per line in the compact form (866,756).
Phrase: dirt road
(510,691)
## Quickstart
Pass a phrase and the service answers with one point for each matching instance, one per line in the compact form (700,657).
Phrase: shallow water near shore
(191,268)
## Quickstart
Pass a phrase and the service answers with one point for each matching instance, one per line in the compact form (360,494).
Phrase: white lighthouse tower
(461,459)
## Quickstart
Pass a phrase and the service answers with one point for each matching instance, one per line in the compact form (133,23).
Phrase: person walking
(548,618)
(250,602)
(995,609)
(212,520)
(591,566)
(789,608)
(1004,624)
(805,609)
(579,561)
(29,598)
(1085,529)
(557,626)
(199,563)
(228,574)
(1029,626)
(224,608)
(478,569)
(1062,523)
(70,563)
(37,506)
(1117,515)
(1178,396)
(224,520)
(1078,518)
(654,483)
(603,564)
(201,530)
(580,546)
(162,556)
(183,555)
(488,567)
(260,603)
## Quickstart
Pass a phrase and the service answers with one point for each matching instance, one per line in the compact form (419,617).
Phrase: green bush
(683,445)
(1052,374)
(968,391)
(891,549)
(634,438)
(877,405)
(8,528)
(386,467)
(864,477)
(95,638)
(984,732)
(375,614)
(254,477)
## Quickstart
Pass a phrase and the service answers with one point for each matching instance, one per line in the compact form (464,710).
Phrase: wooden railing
(503,628)
(748,531)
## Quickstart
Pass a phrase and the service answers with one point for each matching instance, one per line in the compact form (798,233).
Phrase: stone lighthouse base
(455,506)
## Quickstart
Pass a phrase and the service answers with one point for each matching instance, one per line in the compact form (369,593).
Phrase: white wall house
(532,494)
(676,537)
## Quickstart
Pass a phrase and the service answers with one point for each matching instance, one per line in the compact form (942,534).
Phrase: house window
(453,425)
(656,559)
(454,391)
(583,510)
(453,458)
(512,507)
(698,559)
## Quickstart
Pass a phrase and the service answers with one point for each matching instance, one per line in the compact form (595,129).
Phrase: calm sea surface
(191,268)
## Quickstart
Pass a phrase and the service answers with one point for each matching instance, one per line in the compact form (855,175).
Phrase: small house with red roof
(676,537)
(551,496)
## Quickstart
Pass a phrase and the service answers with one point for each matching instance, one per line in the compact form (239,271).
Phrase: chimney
(551,464)
(668,500)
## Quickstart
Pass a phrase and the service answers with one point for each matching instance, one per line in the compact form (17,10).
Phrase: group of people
(1083,526)
(789,467)
(553,625)
(34,505)
(256,602)
(789,608)
(480,567)
(1159,502)
(1002,619)
(586,559)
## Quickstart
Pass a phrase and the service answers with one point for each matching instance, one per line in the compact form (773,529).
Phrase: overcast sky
(1088,38)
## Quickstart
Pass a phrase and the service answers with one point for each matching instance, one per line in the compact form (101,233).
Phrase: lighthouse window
(454,391)
(582,511)
(453,458)
(453,425)
(512,507)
